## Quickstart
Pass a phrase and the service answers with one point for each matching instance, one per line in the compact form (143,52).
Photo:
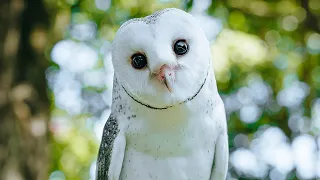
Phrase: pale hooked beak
(167,76)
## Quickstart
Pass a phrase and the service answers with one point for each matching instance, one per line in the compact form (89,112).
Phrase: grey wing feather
(110,132)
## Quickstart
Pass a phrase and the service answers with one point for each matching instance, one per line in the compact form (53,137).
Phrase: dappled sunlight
(74,56)
(271,146)
(237,47)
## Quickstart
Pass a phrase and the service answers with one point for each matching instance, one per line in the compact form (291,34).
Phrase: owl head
(163,59)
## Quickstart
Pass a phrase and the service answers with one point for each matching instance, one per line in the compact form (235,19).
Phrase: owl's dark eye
(138,61)
(181,47)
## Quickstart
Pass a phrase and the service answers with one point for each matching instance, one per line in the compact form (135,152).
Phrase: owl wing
(111,151)
(221,153)
(221,156)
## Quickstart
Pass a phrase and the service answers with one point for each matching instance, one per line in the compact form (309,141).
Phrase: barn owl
(167,119)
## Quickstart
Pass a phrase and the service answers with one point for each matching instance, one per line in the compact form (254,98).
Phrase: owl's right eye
(138,61)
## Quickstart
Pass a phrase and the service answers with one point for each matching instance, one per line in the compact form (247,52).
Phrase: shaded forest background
(55,73)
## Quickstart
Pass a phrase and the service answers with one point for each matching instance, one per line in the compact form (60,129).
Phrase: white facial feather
(156,39)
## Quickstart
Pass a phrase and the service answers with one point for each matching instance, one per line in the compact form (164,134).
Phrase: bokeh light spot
(313,43)
(290,23)
(272,37)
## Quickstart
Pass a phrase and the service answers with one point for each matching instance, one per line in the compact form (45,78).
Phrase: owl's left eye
(180,47)
(138,61)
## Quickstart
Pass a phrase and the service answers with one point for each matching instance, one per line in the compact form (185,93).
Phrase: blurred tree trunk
(24,105)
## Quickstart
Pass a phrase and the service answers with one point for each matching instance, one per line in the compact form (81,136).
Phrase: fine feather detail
(148,19)
(110,132)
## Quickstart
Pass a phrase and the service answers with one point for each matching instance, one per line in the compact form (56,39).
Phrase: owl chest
(171,150)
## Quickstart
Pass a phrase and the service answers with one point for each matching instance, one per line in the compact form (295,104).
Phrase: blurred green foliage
(277,41)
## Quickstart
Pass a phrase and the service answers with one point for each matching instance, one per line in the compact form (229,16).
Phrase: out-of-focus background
(55,76)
